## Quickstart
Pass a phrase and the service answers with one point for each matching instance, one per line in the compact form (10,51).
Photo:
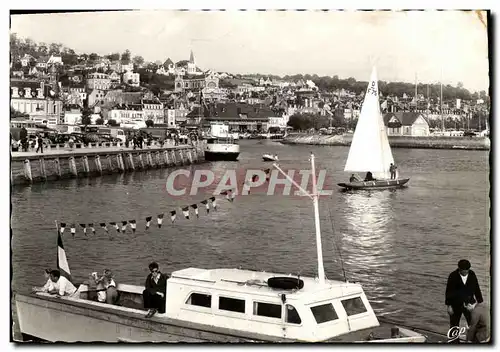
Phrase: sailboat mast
(321,270)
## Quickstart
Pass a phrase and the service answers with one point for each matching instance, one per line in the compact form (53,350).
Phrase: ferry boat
(221,145)
(219,305)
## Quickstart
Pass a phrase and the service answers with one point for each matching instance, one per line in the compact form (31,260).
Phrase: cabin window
(267,310)
(200,299)
(354,306)
(292,316)
(232,304)
(324,313)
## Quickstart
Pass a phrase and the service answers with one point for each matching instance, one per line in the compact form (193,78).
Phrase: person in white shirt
(62,286)
(49,285)
(106,288)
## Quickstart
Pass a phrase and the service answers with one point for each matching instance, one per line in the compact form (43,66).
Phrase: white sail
(370,149)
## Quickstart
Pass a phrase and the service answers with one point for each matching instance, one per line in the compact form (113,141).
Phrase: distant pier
(61,161)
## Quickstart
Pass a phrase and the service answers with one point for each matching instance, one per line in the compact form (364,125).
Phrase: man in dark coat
(154,296)
(462,284)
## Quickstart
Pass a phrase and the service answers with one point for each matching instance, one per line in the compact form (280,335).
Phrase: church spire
(191,57)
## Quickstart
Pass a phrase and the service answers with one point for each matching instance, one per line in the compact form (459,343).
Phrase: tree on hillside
(99,121)
(150,123)
(138,60)
(125,58)
(55,48)
(42,49)
(113,56)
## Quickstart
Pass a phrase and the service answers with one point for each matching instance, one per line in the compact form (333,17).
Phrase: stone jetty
(58,162)
(475,143)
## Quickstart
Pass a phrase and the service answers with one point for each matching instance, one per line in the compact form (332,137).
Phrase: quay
(61,161)
(430,142)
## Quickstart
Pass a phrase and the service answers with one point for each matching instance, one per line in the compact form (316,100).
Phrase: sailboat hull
(378,184)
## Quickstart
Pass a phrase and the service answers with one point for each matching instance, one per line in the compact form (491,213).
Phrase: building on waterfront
(36,99)
(153,110)
(99,81)
(122,113)
(406,124)
(240,117)
(195,83)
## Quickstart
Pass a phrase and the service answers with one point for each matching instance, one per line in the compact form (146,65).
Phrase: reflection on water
(368,242)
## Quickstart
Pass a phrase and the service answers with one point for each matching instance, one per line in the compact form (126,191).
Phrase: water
(400,245)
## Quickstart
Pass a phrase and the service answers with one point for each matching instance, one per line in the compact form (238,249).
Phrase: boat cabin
(221,140)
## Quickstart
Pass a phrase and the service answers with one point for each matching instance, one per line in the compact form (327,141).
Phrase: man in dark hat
(462,284)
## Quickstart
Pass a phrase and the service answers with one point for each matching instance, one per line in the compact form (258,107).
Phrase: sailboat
(370,150)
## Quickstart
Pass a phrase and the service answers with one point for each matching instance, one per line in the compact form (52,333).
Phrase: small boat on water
(219,305)
(270,157)
(370,151)
(221,145)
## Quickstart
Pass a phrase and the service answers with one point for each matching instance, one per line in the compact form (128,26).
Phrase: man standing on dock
(462,284)
(155,292)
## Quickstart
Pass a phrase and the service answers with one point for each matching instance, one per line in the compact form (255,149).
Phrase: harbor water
(400,245)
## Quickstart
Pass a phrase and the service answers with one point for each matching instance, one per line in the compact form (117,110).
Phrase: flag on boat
(133,225)
(124,226)
(160,220)
(73,230)
(62,261)
(214,203)
(84,227)
(173,214)
(195,207)
(91,227)
(148,222)
(207,206)
(185,211)
(63,226)
(115,225)
(103,226)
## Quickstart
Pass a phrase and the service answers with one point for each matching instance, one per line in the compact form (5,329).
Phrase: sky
(427,44)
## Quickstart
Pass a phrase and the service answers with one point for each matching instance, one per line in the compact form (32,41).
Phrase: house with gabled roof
(406,124)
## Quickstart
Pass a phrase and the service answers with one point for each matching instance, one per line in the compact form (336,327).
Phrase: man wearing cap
(462,283)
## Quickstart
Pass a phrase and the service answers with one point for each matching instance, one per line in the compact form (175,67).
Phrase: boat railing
(193,279)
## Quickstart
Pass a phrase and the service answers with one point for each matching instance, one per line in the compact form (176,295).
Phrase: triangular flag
(91,226)
(268,174)
(63,226)
(148,222)
(84,227)
(214,203)
(173,214)
(103,225)
(124,226)
(115,225)
(207,206)
(73,230)
(195,207)
(62,261)
(133,225)
(185,211)
(160,220)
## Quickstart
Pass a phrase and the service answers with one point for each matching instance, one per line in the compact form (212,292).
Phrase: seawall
(475,143)
(65,162)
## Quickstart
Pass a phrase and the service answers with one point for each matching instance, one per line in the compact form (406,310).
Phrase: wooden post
(158,159)
(98,164)
(190,156)
(42,169)
(181,155)
(27,170)
(150,159)
(57,165)
(165,155)
(110,163)
(131,161)
(141,161)
(86,167)
(119,161)
(57,146)
(72,166)
(174,157)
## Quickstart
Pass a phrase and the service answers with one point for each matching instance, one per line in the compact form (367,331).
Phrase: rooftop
(248,281)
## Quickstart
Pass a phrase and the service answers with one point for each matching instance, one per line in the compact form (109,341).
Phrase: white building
(153,110)
(131,78)
(126,113)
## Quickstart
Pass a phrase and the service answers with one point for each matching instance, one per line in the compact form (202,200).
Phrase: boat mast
(314,198)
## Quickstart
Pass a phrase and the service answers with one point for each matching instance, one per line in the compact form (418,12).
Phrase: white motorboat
(270,157)
(219,305)
(221,145)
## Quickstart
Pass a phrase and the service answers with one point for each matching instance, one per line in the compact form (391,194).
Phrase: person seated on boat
(369,177)
(106,288)
(155,292)
(49,285)
(355,178)
(62,286)
(479,327)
